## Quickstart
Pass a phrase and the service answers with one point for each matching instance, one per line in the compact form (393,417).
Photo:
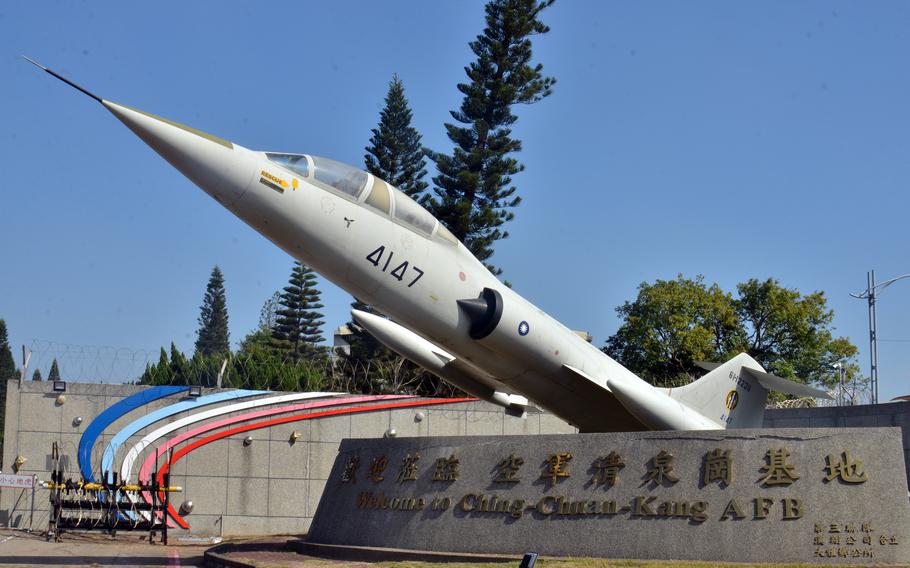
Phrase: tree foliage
(36,376)
(212,336)
(8,369)
(298,326)
(395,153)
(473,190)
(791,334)
(8,372)
(672,324)
(260,368)
(54,373)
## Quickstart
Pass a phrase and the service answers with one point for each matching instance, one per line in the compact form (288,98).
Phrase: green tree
(473,190)
(262,335)
(791,334)
(298,327)
(212,336)
(36,376)
(54,373)
(395,153)
(157,374)
(671,325)
(8,369)
(179,368)
(8,372)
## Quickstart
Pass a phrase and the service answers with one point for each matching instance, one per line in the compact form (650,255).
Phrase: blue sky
(728,139)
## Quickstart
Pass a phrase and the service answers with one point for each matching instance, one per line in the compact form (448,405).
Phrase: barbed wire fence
(260,369)
(87,363)
(118,365)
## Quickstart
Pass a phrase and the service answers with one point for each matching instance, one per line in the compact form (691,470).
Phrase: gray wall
(863,416)
(273,486)
(269,487)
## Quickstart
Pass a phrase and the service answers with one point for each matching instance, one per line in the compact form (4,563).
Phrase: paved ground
(23,549)
(277,559)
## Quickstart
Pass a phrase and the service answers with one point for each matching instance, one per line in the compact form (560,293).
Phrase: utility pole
(869,294)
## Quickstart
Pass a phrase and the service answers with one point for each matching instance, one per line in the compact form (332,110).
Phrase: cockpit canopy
(364,189)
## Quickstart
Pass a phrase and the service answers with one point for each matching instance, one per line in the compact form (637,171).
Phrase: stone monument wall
(765,495)
(862,416)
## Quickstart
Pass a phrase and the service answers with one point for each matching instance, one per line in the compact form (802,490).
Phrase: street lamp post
(869,294)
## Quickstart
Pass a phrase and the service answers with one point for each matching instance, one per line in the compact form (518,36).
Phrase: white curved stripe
(131,456)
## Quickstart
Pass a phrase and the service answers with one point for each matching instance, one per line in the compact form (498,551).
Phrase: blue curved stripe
(110,415)
(107,461)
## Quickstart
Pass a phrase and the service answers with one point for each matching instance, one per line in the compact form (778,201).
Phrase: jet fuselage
(450,313)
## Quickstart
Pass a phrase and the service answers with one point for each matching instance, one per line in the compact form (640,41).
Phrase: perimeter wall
(271,486)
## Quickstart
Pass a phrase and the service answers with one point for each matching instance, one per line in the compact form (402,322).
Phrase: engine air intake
(483,312)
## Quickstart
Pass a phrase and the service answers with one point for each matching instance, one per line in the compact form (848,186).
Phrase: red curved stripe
(284,420)
(161,451)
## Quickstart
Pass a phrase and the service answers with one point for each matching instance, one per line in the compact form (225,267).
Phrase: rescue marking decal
(274,182)
(400,271)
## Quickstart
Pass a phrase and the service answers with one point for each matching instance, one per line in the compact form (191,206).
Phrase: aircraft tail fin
(735,393)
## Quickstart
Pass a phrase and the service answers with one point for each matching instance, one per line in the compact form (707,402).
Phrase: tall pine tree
(395,154)
(212,336)
(298,327)
(473,191)
(36,376)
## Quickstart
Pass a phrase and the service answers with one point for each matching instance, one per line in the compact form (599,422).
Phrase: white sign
(17,480)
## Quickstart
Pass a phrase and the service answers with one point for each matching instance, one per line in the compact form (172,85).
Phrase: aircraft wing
(576,397)
(780,384)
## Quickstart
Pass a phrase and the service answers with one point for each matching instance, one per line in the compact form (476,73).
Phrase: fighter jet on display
(446,312)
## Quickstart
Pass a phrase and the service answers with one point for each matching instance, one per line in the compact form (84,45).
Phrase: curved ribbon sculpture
(109,416)
(284,420)
(146,468)
(126,466)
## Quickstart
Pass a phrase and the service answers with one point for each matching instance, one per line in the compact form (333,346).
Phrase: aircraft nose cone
(214,164)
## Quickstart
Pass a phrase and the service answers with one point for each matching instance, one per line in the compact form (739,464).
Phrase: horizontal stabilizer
(707,365)
(786,386)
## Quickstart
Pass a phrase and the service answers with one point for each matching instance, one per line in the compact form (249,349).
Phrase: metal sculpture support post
(869,294)
(81,505)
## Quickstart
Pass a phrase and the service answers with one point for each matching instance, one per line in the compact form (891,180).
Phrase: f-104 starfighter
(443,308)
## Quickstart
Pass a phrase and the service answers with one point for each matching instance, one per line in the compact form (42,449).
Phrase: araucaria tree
(212,337)
(473,190)
(395,154)
(298,326)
